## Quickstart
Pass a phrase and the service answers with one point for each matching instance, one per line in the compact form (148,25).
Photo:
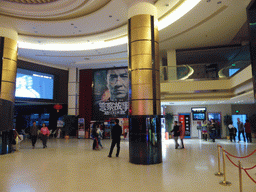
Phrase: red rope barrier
(231,160)
(236,156)
(249,176)
(250,168)
(237,165)
(245,169)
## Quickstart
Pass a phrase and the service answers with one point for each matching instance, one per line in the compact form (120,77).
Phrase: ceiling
(83,23)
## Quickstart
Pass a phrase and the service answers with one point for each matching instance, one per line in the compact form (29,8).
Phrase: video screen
(198,116)
(32,84)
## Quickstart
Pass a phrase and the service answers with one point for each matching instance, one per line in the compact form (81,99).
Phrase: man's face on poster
(118,84)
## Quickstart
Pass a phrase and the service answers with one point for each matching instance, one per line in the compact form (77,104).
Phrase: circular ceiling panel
(50,9)
(31,1)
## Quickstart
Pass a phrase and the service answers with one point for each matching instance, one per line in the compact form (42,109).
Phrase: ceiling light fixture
(177,13)
(164,22)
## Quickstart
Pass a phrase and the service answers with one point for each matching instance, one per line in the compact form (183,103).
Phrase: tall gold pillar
(145,111)
(8,69)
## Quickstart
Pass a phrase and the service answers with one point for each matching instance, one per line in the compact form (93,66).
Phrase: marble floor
(72,166)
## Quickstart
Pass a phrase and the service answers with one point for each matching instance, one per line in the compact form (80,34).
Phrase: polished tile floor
(72,165)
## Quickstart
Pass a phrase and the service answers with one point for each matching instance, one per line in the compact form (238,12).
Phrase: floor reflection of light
(22,188)
(212,160)
(201,168)
(164,148)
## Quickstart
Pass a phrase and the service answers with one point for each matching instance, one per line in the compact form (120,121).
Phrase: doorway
(242,118)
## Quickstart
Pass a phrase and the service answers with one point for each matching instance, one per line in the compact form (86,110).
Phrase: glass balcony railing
(204,71)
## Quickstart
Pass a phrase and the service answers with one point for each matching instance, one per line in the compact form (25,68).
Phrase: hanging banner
(110,93)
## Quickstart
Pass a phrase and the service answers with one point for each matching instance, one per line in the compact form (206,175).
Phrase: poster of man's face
(111,88)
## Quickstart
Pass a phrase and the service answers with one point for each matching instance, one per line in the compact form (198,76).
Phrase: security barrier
(239,166)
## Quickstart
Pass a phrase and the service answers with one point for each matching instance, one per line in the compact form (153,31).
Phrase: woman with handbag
(44,135)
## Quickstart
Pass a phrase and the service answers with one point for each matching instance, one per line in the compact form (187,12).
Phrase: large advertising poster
(110,93)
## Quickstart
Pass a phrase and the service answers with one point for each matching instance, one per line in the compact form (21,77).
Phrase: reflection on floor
(72,165)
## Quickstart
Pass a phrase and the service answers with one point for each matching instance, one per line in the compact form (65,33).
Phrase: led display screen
(32,84)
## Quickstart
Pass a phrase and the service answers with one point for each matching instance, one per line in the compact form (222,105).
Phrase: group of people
(97,136)
(34,134)
(242,128)
(43,134)
(209,128)
(116,133)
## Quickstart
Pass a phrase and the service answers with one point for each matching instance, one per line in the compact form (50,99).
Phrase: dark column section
(251,14)
(1,56)
(145,140)
(85,96)
(6,125)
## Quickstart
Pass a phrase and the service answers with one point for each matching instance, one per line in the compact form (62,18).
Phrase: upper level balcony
(207,83)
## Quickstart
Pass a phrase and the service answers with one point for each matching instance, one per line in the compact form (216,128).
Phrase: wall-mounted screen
(32,84)
(198,116)
(198,113)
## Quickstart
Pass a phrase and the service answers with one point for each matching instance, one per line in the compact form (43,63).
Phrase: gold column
(144,115)
(9,69)
(144,66)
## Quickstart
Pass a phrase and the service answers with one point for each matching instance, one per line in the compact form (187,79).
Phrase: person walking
(182,134)
(240,128)
(213,130)
(116,133)
(176,133)
(100,137)
(44,134)
(33,134)
(232,132)
(248,132)
(204,130)
(95,136)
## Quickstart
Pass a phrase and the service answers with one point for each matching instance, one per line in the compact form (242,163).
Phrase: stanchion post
(240,176)
(219,173)
(224,182)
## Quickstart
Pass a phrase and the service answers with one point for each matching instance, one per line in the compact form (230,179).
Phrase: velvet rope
(231,160)
(250,168)
(236,156)
(249,176)
(245,169)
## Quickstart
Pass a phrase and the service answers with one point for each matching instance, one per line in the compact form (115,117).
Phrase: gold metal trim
(142,20)
(141,48)
(141,61)
(142,107)
(144,91)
